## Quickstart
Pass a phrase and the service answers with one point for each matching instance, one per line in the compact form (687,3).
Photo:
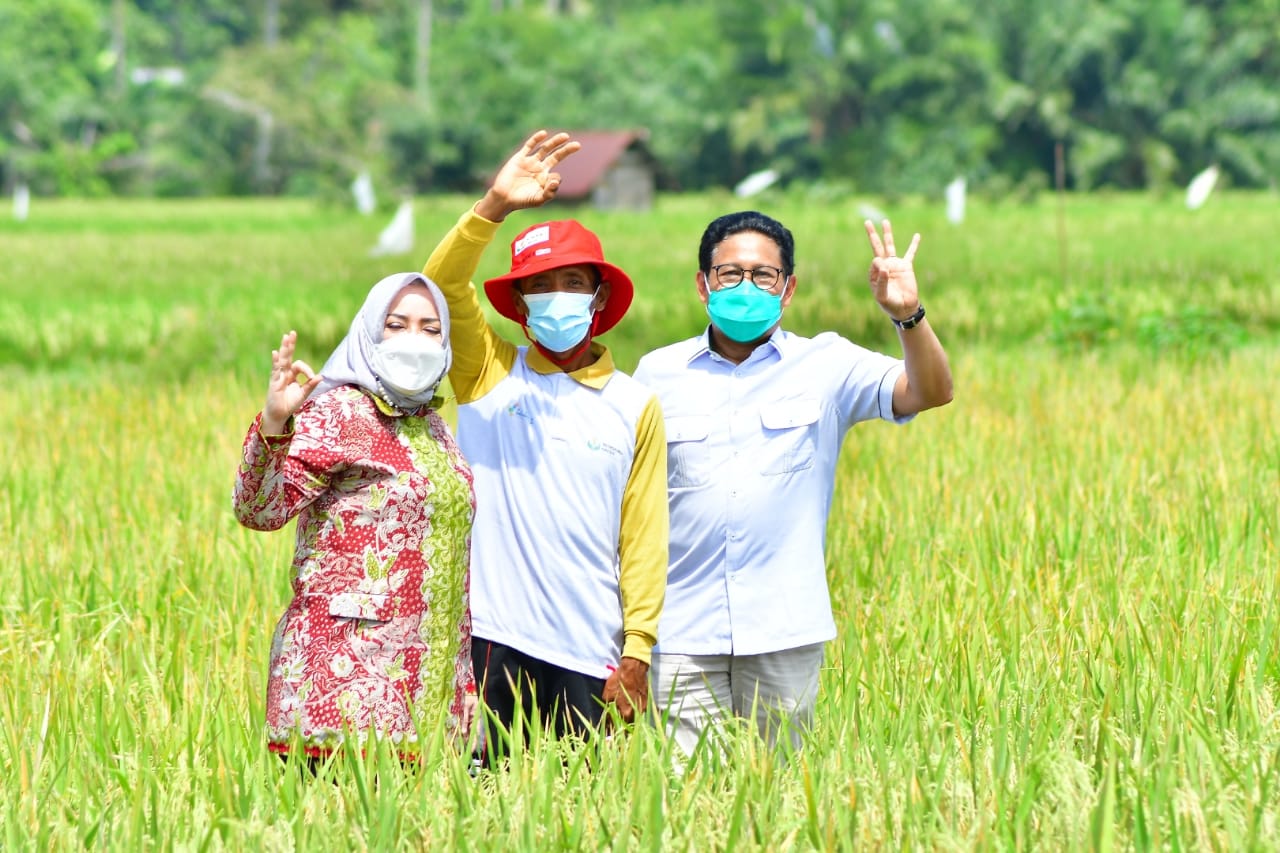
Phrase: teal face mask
(744,313)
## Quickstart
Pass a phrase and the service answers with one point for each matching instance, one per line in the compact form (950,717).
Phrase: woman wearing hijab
(378,634)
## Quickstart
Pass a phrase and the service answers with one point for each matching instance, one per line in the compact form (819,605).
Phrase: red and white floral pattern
(377,638)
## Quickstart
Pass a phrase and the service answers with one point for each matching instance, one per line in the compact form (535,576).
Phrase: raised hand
(284,395)
(528,179)
(892,278)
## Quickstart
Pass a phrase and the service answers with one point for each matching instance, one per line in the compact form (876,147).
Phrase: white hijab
(349,363)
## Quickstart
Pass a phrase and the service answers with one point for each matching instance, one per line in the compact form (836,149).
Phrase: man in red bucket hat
(569,547)
(560,248)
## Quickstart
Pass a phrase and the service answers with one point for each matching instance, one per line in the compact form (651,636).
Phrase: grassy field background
(1057,596)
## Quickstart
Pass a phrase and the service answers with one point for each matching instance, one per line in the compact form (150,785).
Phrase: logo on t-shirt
(514,409)
(594,444)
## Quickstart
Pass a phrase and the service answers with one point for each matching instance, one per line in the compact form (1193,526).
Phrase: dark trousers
(511,683)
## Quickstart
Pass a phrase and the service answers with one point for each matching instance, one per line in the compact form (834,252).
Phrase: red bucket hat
(562,243)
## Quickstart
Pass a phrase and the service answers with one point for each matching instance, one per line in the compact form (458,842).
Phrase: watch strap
(910,322)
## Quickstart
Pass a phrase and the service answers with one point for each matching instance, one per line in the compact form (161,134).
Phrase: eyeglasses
(730,275)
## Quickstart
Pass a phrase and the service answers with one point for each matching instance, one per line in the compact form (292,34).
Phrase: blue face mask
(559,321)
(744,313)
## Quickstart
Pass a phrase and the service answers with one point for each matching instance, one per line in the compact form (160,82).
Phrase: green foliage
(1091,323)
(494,73)
(1086,324)
(49,88)
(891,97)
(326,92)
(1194,331)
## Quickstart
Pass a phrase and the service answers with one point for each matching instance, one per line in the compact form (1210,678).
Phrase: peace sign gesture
(527,179)
(893,279)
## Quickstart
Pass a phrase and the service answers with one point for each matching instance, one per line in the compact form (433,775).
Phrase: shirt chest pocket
(365,606)
(790,436)
(688,451)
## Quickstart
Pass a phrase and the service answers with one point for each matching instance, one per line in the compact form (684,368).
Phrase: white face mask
(408,363)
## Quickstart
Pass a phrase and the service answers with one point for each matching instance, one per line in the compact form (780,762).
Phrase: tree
(52,88)
(884,95)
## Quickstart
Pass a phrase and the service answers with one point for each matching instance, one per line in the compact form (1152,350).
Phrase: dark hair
(747,220)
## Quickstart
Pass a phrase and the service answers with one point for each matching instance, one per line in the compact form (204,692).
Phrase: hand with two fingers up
(893,278)
(290,385)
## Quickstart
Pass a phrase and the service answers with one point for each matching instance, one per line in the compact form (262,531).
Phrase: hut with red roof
(614,170)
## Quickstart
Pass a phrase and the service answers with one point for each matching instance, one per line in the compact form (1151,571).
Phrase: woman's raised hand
(291,383)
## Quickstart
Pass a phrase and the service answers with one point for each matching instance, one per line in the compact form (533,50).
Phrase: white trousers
(694,693)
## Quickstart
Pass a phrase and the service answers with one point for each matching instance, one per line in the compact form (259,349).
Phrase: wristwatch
(912,321)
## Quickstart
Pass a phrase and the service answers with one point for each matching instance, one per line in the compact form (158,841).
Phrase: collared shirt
(569,550)
(751,460)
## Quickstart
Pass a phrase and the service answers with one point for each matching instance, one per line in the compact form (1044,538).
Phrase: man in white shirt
(569,548)
(755,417)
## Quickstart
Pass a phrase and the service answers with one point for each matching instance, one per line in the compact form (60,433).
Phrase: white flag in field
(755,183)
(397,237)
(955,201)
(362,189)
(21,202)
(1200,187)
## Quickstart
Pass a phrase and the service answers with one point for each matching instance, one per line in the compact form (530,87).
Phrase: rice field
(1056,596)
